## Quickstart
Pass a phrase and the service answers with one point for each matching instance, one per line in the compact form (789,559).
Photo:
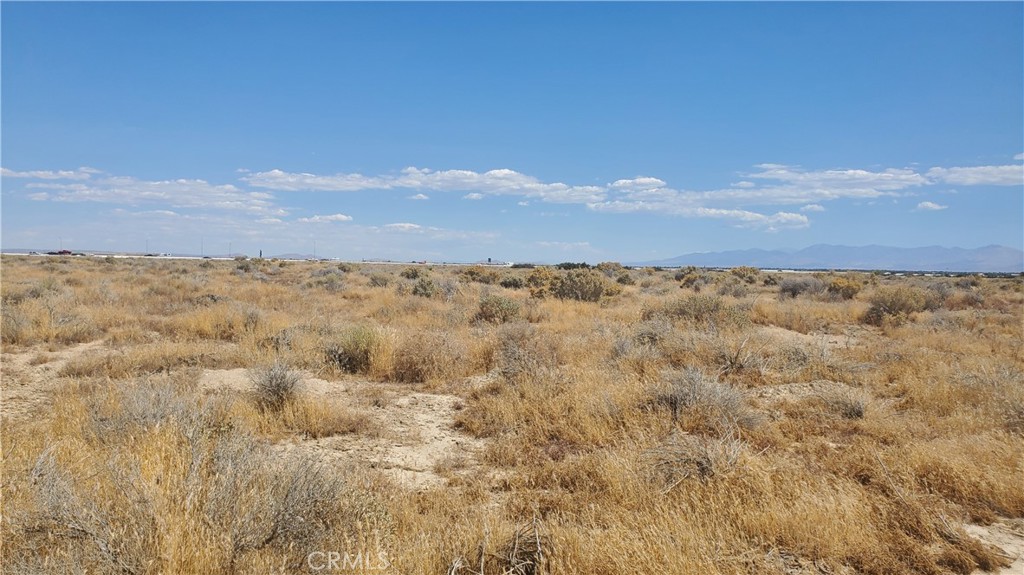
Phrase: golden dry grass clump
(627,420)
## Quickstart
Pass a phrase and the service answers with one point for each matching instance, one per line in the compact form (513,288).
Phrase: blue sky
(517,131)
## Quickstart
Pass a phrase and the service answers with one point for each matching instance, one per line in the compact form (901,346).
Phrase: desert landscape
(273,416)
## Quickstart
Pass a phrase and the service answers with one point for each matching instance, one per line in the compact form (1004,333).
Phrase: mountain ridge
(987,259)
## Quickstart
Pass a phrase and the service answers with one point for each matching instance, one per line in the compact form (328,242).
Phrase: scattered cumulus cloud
(326,219)
(403,227)
(181,193)
(78,174)
(640,183)
(493,182)
(980,175)
(294,182)
(758,200)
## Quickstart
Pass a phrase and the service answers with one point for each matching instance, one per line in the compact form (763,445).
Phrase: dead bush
(701,403)
(848,403)
(523,353)
(275,385)
(793,287)
(178,489)
(429,356)
(682,456)
(699,309)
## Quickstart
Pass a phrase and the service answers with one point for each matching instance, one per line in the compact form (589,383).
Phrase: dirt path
(29,378)
(417,445)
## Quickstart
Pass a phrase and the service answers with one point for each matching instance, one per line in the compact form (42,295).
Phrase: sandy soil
(1008,536)
(418,446)
(28,379)
(790,337)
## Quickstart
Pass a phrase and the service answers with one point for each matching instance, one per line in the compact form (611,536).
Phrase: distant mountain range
(988,259)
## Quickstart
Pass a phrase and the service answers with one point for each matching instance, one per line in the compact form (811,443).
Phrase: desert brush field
(263,416)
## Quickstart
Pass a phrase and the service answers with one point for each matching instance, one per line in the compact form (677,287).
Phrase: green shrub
(746,273)
(498,309)
(425,287)
(895,304)
(354,350)
(573,266)
(411,273)
(610,269)
(581,285)
(843,287)
(542,282)
(512,282)
(480,274)
(379,280)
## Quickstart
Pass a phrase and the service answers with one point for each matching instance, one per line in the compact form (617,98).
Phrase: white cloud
(269,221)
(930,206)
(83,173)
(813,208)
(743,218)
(1019,157)
(640,183)
(473,196)
(404,227)
(523,203)
(294,182)
(326,219)
(493,182)
(980,175)
(419,197)
(890,179)
(39,196)
(178,194)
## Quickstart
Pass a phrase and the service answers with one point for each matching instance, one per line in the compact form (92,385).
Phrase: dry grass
(658,429)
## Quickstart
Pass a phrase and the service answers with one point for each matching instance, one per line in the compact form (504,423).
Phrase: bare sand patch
(29,378)
(417,445)
(785,336)
(1008,536)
